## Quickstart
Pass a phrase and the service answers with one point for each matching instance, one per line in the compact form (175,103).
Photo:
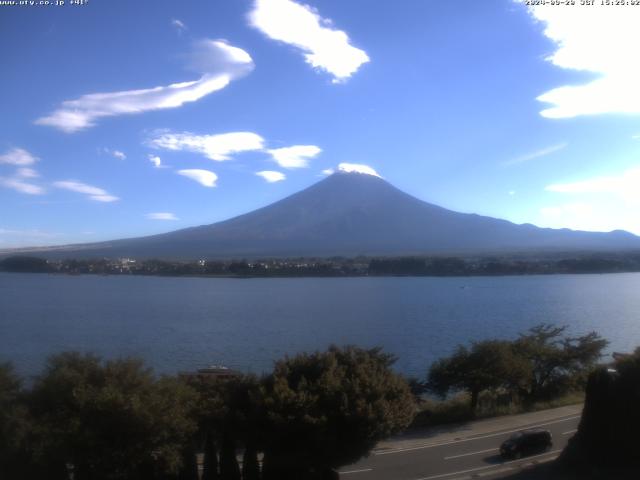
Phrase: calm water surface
(184,323)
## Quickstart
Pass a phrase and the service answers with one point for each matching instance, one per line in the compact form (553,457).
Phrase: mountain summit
(349,213)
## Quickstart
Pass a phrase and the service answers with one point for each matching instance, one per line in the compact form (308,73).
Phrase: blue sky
(128,118)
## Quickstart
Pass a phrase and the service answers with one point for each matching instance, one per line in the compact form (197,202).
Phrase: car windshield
(515,436)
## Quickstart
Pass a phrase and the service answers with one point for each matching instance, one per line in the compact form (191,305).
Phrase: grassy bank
(457,409)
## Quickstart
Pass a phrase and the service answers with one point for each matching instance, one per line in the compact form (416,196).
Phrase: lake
(186,323)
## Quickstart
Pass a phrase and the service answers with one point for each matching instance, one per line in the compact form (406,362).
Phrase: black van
(526,442)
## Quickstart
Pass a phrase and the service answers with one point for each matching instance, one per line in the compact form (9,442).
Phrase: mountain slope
(349,214)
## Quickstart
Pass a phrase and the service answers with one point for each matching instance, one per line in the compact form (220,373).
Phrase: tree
(25,264)
(329,409)
(108,420)
(606,439)
(230,415)
(14,424)
(209,416)
(487,365)
(540,364)
(554,361)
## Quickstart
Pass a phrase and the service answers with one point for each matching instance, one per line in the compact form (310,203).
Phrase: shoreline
(249,276)
(336,267)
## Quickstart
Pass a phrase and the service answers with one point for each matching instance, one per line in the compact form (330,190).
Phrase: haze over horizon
(125,120)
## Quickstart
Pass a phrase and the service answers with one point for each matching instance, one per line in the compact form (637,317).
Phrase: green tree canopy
(230,414)
(486,365)
(14,424)
(328,409)
(606,439)
(540,364)
(110,420)
(555,360)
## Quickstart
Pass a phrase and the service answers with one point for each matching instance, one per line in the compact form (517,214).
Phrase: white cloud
(588,216)
(624,185)
(357,168)
(104,198)
(18,156)
(537,154)
(572,209)
(25,172)
(271,176)
(161,216)
(301,26)
(328,171)
(155,160)
(218,57)
(178,24)
(576,216)
(215,147)
(600,203)
(118,154)
(94,193)
(297,156)
(599,39)
(223,64)
(203,177)
(21,186)
(115,153)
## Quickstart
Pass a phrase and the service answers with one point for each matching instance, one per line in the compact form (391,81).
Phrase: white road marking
(356,471)
(432,445)
(570,432)
(472,453)
(461,472)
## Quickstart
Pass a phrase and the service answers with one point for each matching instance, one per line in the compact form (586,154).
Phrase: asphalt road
(449,459)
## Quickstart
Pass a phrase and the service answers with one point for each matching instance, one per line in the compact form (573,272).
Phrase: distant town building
(218,372)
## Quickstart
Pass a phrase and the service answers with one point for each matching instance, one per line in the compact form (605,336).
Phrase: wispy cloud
(215,147)
(219,63)
(589,216)
(271,176)
(19,185)
(32,232)
(577,216)
(94,193)
(597,39)
(624,185)
(116,153)
(26,172)
(179,25)
(600,203)
(205,178)
(537,154)
(155,160)
(12,237)
(296,156)
(301,26)
(358,168)
(18,156)
(328,171)
(161,216)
